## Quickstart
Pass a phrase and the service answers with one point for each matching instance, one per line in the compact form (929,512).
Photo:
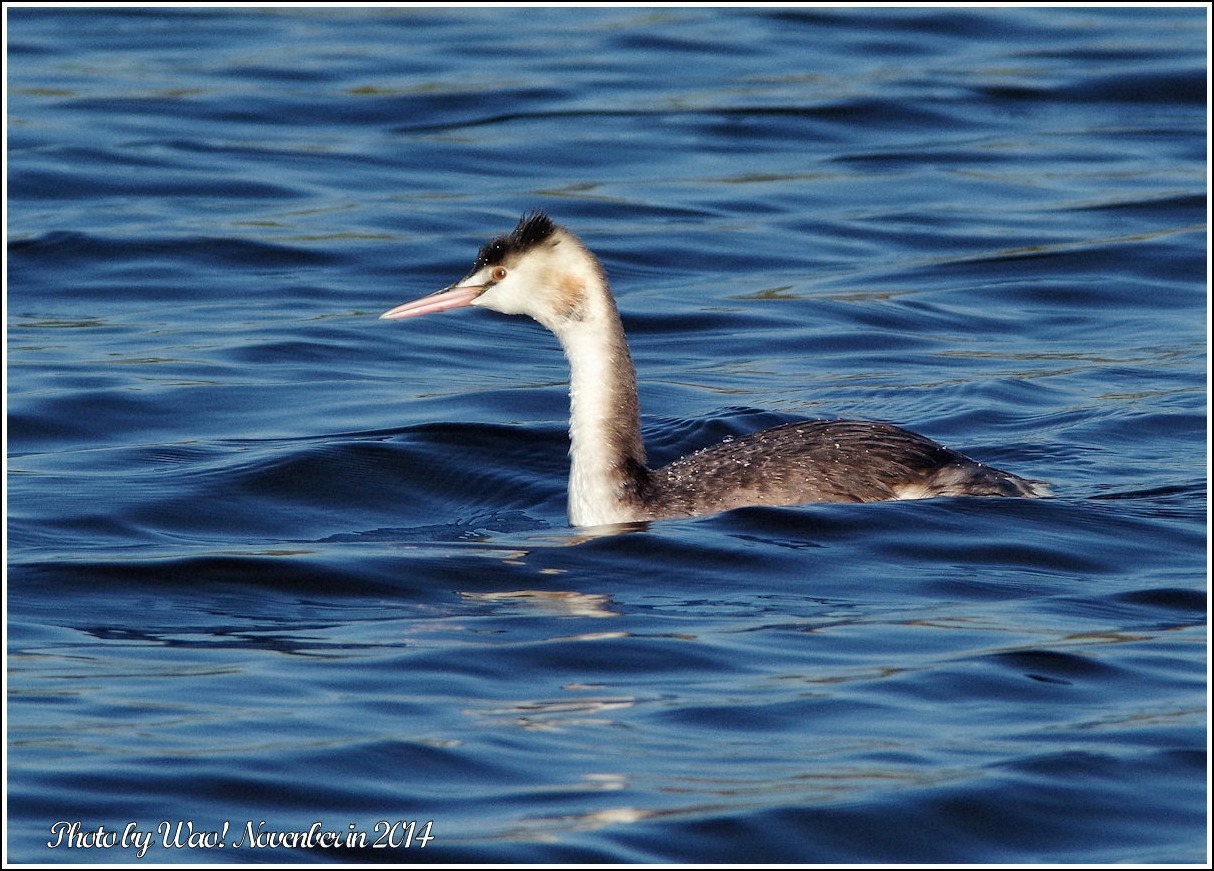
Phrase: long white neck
(606,452)
(559,283)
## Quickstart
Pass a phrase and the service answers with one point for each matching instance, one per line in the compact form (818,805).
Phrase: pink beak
(455,296)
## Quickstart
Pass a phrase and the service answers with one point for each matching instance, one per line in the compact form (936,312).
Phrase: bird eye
(498,273)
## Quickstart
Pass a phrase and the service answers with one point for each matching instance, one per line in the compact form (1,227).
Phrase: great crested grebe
(544,271)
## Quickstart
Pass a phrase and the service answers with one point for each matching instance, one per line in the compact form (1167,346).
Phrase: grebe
(544,271)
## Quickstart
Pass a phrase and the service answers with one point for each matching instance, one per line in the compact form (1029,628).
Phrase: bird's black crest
(533,228)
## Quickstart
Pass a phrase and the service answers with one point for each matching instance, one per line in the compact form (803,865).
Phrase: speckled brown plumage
(815,461)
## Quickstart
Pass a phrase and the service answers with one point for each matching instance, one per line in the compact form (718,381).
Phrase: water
(275,565)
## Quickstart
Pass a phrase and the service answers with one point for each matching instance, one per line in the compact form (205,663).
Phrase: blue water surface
(277,567)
